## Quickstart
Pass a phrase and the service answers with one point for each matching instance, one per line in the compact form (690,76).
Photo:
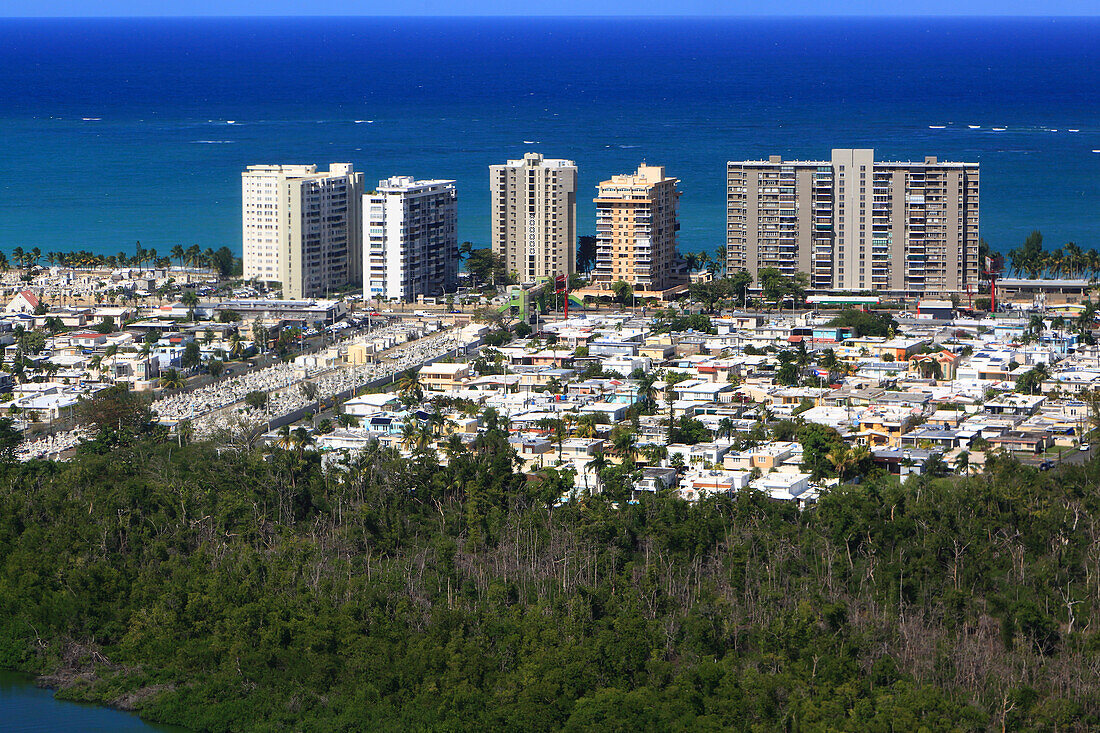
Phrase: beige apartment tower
(850,223)
(302,227)
(534,217)
(636,229)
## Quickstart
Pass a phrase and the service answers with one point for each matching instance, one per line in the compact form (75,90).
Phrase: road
(1068,456)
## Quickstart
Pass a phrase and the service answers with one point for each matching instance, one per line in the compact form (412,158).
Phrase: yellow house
(443,377)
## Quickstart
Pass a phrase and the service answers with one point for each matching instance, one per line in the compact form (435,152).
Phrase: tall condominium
(301,227)
(534,217)
(410,239)
(853,224)
(636,229)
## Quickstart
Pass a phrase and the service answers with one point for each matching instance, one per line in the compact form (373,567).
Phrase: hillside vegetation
(252,591)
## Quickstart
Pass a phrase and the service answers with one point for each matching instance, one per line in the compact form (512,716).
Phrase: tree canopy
(865,323)
(252,590)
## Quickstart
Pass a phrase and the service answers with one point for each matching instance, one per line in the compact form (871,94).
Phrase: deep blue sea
(113,131)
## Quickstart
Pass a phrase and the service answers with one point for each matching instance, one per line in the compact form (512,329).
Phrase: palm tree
(285,441)
(192,255)
(656,454)
(625,443)
(171,379)
(597,464)
(647,393)
(962,463)
(408,432)
(423,435)
(178,253)
(1073,259)
(409,385)
(302,438)
(725,427)
(1092,264)
(586,426)
(189,299)
(844,459)
(234,345)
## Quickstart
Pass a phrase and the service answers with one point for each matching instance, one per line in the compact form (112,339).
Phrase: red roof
(30,297)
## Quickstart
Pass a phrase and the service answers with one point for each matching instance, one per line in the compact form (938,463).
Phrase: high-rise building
(410,239)
(534,217)
(850,223)
(636,229)
(301,227)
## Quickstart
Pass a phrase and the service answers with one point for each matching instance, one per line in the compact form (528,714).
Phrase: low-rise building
(443,376)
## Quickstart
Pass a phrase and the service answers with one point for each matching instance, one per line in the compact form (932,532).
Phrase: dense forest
(250,590)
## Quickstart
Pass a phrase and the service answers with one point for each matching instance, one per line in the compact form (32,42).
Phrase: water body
(25,708)
(116,130)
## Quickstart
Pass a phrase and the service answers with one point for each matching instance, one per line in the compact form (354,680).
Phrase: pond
(25,708)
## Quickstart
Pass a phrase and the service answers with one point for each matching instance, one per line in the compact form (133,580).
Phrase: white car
(1084,447)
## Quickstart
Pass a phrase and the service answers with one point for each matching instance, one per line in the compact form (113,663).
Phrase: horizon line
(564,16)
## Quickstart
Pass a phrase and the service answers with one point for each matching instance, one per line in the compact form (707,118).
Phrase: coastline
(59,682)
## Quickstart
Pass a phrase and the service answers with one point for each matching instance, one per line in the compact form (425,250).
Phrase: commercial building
(636,229)
(306,311)
(301,227)
(851,223)
(410,239)
(534,216)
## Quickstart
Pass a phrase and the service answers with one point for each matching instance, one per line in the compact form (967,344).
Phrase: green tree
(624,293)
(171,379)
(865,323)
(191,356)
(586,253)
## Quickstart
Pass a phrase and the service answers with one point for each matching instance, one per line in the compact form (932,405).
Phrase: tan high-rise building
(301,227)
(636,229)
(850,223)
(534,217)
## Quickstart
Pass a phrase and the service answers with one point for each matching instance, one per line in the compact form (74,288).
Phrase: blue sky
(68,8)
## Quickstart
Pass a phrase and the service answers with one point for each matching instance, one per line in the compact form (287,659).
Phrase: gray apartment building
(851,223)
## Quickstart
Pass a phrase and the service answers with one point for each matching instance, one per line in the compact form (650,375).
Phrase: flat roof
(1043,283)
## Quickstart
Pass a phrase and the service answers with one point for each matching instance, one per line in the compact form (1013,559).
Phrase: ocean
(114,131)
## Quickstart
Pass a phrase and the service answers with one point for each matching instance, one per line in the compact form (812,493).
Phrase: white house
(24,302)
